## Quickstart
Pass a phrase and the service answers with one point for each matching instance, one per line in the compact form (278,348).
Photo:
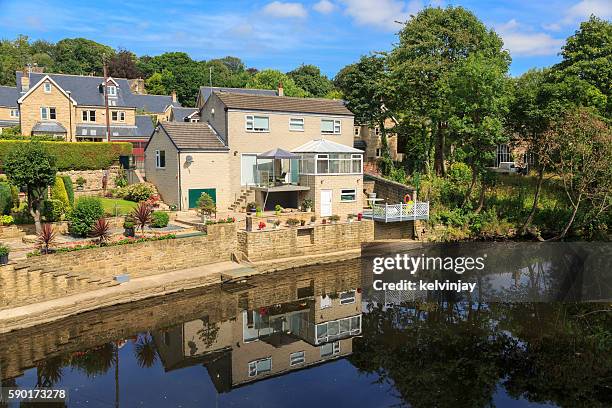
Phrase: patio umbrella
(279,154)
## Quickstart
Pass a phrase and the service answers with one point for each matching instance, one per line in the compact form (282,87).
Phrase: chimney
(25,78)
(137,86)
(174,96)
(280,89)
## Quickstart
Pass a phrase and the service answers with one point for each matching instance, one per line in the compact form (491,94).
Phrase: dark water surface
(319,337)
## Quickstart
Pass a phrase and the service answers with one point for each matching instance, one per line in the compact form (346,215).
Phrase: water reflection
(316,336)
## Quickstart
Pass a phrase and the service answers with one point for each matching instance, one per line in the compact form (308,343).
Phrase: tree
(271,78)
(430,45)
(234,64)
(477,97)
(58,192)
(309,78)
(160,83)
(31,166)
(80,56)
(123,65)
(14,56)
(582,156)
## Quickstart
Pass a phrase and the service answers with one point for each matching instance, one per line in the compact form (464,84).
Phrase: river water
(320,337)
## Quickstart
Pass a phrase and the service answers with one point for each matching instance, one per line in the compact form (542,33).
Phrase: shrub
(6,199)
(46,238)
(52,210)
(87,210)
(80,181)
(22,215)
(6,220)
(58,192)
(128,222)
(69,189)
(334,218)
(121,179)
(206,205)
(76,156)
(142,215)
(159,219)
(307,203)
(101,231)
(293,222)
(138,192)
(4,250)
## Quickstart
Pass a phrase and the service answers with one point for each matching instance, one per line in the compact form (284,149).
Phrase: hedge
(77,155)
(69,189)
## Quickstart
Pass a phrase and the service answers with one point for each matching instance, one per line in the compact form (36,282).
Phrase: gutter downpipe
(180,192)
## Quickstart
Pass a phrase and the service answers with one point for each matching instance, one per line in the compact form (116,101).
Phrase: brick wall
(48,277)
(290,242)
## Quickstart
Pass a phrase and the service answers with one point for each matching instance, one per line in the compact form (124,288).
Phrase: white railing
(400,212)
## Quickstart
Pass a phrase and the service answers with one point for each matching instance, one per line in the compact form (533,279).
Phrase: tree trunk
(536,198)
(481,199)
(570,222)
(439,155)
(471,188)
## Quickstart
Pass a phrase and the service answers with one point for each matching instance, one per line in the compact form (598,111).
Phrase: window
(257,123)
(334,330)
(330,349)
(357,131)
(378,152)
(47,87)
(14,113)
(260,366)
(118,116)
(330,126)
(92,132)
(297,358)
(89,116)
(332,163)
(347,194)
(347,297)
(192,120)
(112,90)
(112,102)
(47,113)
(377,131)
(296,124)
(160,159)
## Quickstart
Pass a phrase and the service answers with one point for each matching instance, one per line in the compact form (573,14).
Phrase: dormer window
(112,90)
(47,87)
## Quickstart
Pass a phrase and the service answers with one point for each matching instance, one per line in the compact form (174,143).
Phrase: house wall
(208,170)
(30,110)
(130,115)
(374,141)
(335,183)
(166,180)
(218,121)
(5,113)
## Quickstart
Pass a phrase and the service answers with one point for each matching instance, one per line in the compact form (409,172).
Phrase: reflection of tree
(49,372)
(208,333)
(145,350)
(95,361)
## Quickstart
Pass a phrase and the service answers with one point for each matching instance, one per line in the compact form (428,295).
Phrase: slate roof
(283,104)
(206,91)
(142,130)
(325,146)
(9,96)
(179,113)
(85,90)
(192,136)
(49,127)
(9,123)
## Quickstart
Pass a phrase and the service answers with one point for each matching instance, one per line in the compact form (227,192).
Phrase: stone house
(369,139)
(9,111)
(225,154)
(181,114)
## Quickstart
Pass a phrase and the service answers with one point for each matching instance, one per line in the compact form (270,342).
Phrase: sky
(284,34)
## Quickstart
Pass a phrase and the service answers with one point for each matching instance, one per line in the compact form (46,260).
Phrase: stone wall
(48,277)
(393,230)
(93,178)
(317,239)
(391,191)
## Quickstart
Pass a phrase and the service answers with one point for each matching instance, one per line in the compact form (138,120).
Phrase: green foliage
(74,156)
(22,215)
(270,78)
(80,56)
(121,179)
(6,199)
(138,192)
(58,192)
(6,220)
(205,204)
(159,219)
(69,189)
(53,210)
(87,210)
(4,250)
(309,78)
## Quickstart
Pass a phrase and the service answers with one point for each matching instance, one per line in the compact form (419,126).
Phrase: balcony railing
(398,212)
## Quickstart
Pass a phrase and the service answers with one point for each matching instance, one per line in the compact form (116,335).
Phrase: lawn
(115,206)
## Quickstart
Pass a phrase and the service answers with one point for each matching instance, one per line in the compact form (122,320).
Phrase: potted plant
(261,225)
(80,182)
(258,212)
(324,221)
(293,222)
(313,219)
(251,207)
(4,253)
(334,218)
(277,224)
(206,206)
(278,209)
(359,216)
(128,226)
(307,205)
(350,217)
(302,222)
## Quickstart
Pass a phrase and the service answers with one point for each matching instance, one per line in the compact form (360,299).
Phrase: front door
(195,193)
(326,203)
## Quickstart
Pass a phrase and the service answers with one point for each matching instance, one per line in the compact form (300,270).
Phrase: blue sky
(284,34)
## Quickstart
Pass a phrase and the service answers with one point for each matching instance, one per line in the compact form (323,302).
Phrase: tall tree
(80,56)
(430,45)
(30,165)
(271,78)
(123,65)
(14,55)
(309,78)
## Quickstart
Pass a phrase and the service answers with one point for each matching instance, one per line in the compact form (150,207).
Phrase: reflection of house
(267,341)
(313,137)
(369,139)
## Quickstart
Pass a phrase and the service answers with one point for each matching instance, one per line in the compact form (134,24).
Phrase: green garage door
(195,193)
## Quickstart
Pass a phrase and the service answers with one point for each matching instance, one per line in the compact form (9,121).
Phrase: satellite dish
(189,159)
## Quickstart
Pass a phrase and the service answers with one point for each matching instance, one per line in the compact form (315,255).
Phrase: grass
(116,206)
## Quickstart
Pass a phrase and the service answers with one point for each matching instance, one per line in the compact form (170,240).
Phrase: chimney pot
(174,96)
(280,89)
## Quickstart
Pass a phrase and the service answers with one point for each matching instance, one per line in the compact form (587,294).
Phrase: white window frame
(346,191)
(376,130)
(296,129)
(295,359)
(337,126)
(357,131)
(249,124)
(14,113)
(112,90)
(112,102)
(87,115)
(335,349)
(348,300)
(158,159)
(322,334)
(378,152)
(47,87)
(252,367)
(118,116)
(45,113)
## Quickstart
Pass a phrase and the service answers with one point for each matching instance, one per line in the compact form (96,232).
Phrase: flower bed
(124,241)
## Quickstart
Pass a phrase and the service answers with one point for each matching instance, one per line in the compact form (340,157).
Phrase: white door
(247,169)
(326,203)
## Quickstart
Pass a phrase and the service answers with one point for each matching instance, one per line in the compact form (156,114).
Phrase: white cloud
(285,10)
(324,7)
(382,13)
(526,42)
(583,9)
